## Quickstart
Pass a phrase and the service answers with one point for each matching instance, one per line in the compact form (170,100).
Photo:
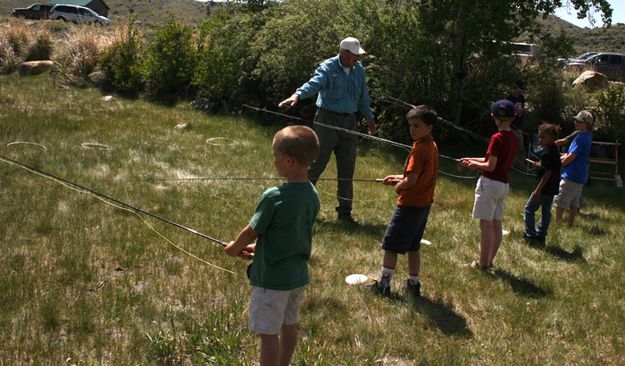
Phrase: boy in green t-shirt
(282,228)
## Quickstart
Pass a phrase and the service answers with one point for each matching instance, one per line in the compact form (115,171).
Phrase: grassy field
(82,282)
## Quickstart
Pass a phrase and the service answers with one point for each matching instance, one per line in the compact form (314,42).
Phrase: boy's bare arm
(475,164)
(245,237)
(542,183)
(406,182)
(392,179)
(568,158)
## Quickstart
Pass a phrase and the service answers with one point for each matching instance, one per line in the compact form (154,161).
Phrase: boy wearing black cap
(492,186)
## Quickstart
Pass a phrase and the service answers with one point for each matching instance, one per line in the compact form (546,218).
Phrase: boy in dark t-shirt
(548,181)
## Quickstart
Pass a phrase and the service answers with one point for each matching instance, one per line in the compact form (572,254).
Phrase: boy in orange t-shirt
(415,188)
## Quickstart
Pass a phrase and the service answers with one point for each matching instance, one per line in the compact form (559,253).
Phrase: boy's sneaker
(413,290)
(377,288)
(347,218)
(534,239)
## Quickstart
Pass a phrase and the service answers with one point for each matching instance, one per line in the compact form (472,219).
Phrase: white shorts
(490,198)
(569,195)
(269,309)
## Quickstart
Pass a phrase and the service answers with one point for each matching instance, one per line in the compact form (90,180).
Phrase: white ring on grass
(504,232)
(95,145)
(27,143)
(215,141)
(356,279)
(426,242)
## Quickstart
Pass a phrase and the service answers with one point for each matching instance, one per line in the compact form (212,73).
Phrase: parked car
(612,65)
(76,14)
(584,56)
(35,11)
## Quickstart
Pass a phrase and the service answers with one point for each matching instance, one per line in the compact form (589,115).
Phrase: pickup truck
(35,11)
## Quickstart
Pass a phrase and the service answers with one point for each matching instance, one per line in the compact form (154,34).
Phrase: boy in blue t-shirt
(282,228)
(575,168)
(547,180)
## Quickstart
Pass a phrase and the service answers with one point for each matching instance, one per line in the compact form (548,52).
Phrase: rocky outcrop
(34,67)
(591,81)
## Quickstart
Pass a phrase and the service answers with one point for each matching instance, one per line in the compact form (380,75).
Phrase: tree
(483,26)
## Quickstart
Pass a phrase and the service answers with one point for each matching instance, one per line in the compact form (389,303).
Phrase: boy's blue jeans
(531,207)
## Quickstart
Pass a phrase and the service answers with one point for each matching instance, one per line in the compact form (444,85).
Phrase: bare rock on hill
(591,81)
(34,67)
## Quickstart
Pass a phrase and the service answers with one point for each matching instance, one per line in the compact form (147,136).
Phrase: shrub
(8,58)
(224,59)
(169,62)
(13,43)
(41,48)
(79,56)
(299,35)
(121,60)
(17,36)
(610,113)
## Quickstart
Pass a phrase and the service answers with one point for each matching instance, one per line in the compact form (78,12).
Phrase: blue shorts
(405,231)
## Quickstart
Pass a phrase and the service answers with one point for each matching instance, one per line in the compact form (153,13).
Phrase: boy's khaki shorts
(569,195)
(489,199)
(269,309)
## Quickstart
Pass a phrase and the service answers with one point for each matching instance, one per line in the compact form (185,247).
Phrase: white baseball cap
(352,45)
(584,116)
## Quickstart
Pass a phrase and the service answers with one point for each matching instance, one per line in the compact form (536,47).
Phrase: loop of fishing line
(27,143)
(95,146)
(220,141)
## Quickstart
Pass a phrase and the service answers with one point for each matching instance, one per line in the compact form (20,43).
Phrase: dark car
(612,65)
(35,11)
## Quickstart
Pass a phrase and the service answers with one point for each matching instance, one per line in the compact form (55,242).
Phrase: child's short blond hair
(299,142)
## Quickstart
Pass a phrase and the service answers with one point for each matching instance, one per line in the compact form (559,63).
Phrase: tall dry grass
(78,55)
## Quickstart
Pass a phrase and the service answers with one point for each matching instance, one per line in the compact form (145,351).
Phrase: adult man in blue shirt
(341,89)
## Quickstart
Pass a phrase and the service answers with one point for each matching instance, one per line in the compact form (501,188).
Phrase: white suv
(76,14)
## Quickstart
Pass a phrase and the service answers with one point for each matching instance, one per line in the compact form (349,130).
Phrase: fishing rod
(360,134)
(372,180)
(364,135)
(111,199)
(440,119)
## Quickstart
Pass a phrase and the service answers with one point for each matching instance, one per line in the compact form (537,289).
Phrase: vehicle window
(85,12)
(603,59)
(35,7)
(616,60)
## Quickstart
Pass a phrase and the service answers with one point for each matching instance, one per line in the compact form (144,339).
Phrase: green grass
(84,281)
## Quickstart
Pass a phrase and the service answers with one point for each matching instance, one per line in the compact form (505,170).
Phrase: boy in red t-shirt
(415,188)
(492,186)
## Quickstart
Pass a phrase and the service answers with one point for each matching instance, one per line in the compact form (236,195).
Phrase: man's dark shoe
(347,218)
(413,290)
(377,288)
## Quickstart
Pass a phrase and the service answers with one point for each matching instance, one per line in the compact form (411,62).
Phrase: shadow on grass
(442,316)
(352,228)
(522,286)
(558,252)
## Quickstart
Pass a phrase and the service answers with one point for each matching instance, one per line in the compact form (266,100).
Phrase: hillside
(192,12)
(610,39)
(147,11)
